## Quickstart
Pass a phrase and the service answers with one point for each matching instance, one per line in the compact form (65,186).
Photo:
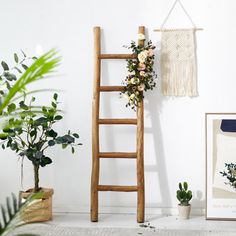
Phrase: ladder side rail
(140,153)
(95,125)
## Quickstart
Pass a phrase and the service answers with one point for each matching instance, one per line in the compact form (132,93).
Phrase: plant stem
(36,178)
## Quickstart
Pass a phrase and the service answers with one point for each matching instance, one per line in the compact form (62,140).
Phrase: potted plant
(184,196)
(30,134)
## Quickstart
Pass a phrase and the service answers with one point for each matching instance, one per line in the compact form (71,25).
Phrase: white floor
(129,221)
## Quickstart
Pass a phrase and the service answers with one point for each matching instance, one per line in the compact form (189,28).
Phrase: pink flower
(141,66)
(150,52)
(141,87)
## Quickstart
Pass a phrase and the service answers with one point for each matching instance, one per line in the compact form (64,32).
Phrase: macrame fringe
(179,78)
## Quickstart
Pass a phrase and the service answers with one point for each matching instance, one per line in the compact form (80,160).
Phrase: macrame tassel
(178,63)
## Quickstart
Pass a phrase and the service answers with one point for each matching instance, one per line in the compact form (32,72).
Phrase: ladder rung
(117,121)
(117,56)
(117,188)
(111,88)
(118,155)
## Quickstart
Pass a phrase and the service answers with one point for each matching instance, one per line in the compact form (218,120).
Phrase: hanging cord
(172,8)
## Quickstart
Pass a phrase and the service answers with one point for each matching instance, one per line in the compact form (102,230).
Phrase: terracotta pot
(184,211)
(41,209)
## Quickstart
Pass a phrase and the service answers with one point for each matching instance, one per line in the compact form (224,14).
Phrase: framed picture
(221,166)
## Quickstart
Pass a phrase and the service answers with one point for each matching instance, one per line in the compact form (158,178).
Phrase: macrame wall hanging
(178,58)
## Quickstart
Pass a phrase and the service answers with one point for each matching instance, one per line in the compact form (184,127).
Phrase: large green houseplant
(30,134)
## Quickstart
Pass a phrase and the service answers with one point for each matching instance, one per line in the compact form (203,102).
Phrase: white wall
(174,127)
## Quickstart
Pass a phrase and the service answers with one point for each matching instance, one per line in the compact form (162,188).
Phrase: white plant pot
(184,211)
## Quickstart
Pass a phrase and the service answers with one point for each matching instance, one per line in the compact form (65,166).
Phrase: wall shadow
(153,108)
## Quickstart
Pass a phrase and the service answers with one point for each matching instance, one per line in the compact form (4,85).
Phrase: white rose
(142,56)
(141,37)
(141,87)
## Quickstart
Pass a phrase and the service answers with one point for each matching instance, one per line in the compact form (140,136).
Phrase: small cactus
(183,194)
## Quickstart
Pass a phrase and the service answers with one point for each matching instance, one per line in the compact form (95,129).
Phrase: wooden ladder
(97,121)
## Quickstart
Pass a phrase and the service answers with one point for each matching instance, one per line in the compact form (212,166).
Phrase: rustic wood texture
(117,121)
(111,88)
(96,121)
(95,127)
(118,155)
(140,152)
(117,188)
(117,56)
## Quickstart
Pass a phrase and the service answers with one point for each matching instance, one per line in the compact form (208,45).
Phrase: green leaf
(54,105)
(75,135)
(73,150)
(3,136)
(11,107)
(45,161)
(4,66)
(23,53)
(51,143)
(16,68)
(43,66)
(55,96)
(58,117)
(16,58)
(9,76)
(52,133)
(64,146)
(24,66)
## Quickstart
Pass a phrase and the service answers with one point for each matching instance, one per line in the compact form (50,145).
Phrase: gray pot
(184,211)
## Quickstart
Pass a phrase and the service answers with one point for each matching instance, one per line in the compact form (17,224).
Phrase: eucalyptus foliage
(31,133)
(10,214)
(230,174)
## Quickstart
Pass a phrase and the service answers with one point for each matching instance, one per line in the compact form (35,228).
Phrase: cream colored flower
(132,96)
(134,80)
(132,73)
(141,87)
(142,73)
(142,56)
(141,37)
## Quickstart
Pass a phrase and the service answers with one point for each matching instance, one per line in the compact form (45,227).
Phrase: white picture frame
(220,160)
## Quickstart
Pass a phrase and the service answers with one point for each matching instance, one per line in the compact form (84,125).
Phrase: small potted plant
(184,196)
(29,133)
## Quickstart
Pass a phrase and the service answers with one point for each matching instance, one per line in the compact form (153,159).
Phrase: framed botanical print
(221,166)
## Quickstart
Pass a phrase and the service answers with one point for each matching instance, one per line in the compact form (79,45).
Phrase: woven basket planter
(41,209)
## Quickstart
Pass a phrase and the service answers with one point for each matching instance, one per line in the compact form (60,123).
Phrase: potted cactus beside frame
(184,196)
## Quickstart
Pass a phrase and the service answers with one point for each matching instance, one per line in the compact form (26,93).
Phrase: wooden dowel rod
(117,56)
(117,188)
(117,154)
(111,88)
(117,121)
(162,30)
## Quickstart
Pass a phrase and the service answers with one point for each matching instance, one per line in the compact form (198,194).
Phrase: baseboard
(124,210)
